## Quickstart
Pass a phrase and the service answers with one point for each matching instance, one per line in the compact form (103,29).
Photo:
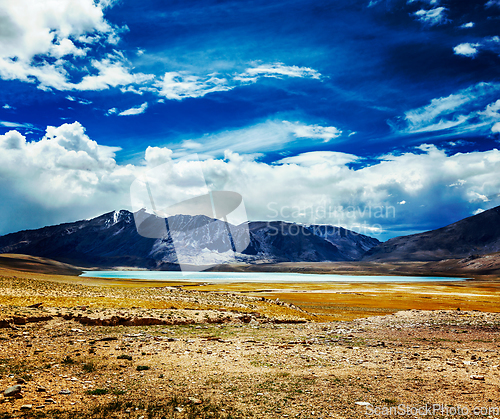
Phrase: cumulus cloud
(432,17)
(57,35)
(134,111)
(468,110)
(65,171)
(467,25)
(155,156)
(66,176)
(467,49)
(181,85)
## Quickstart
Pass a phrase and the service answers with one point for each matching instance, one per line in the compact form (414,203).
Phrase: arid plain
(92,348)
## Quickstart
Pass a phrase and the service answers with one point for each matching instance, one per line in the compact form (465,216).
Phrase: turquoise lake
(257,277)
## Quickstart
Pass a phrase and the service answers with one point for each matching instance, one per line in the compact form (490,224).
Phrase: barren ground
(96,349)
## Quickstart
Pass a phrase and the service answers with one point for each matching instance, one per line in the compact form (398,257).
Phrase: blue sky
(340,106)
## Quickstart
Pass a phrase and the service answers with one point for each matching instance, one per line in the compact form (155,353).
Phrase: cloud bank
(65,176)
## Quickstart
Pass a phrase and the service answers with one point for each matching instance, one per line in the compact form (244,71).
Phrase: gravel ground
(259,369)
(162,352)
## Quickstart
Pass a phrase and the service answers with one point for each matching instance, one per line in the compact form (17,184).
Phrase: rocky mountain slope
(112,240)
(476,235)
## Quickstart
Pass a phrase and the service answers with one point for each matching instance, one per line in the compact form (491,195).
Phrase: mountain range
(112,240)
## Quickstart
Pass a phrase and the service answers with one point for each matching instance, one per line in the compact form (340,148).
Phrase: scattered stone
(27,407)
(108,339)
(41,390)
(19,320)
(65,391)
(477,377)
(12,391)
(194,400)
(21,381)
(179,409)
(50,401)
(363,403)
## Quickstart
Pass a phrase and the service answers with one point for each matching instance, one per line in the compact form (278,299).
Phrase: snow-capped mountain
(112,240)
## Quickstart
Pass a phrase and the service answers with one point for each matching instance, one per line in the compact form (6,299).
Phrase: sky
(378,115)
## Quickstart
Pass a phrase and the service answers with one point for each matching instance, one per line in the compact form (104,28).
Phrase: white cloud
(65,176)
(259,138)
(155,156)
(181,85)
(467,25)
(59,34)
(467,110)
(81,101)
(111,111)
(495,128)
(317,158)
(314,131)
(191,145)
(432,17)
(8,124)
(178,86)
(111,73)
(277,70)
(7,106)
(134,111)
(467,49)
(431,2)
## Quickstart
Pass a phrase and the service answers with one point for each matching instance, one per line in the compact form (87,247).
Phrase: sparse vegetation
(68,360)
(97,392)
(231,369)
(89,367)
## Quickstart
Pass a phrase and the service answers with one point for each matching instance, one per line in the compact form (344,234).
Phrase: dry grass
(237,370)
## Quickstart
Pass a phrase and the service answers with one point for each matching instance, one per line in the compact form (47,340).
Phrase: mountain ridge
(111,240)
(478,234)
